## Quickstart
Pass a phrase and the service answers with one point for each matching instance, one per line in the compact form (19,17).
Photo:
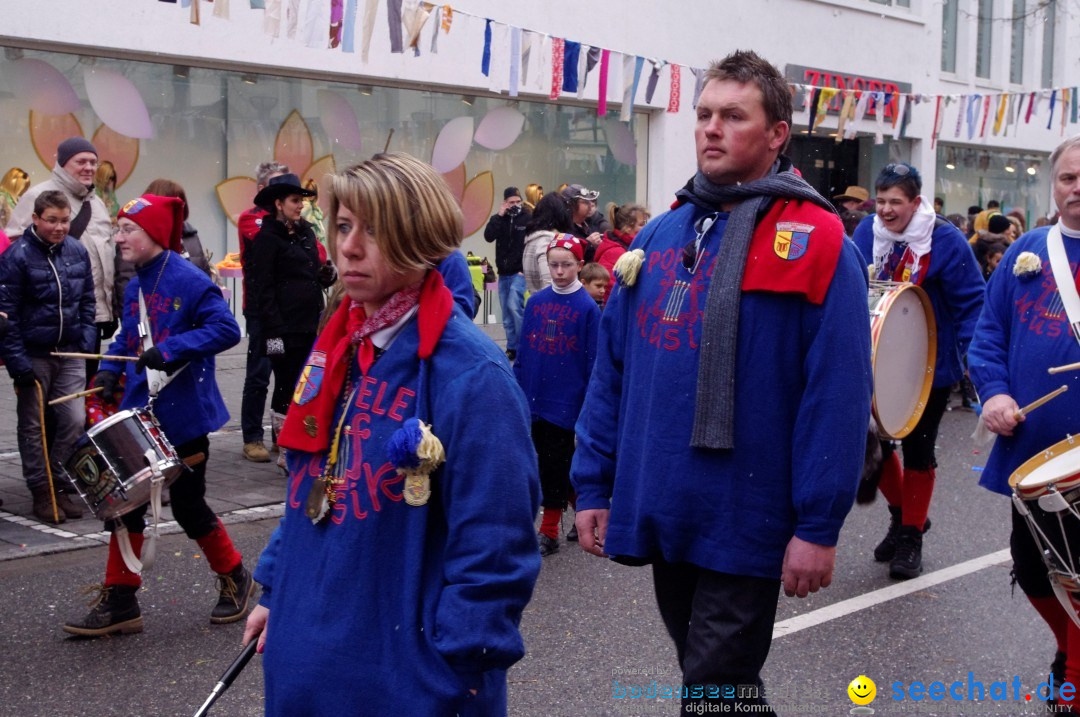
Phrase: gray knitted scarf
(714,408)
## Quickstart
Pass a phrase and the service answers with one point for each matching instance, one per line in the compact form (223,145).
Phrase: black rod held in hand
(229,675)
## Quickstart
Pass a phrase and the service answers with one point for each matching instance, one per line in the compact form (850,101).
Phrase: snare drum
(903,335)
(1046,492)
(110,466)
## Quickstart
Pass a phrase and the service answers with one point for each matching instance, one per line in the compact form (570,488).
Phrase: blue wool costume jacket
(954,283)
(1023,330)
(556,353)
(47,291)
(189,321)
(390,609)
(802,400)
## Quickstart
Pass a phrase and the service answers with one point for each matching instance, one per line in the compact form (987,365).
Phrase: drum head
(904,350)
(1057,466)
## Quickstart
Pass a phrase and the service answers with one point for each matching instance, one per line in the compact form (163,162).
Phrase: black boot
(236,591)
(116,609)
(886,549)
(907,562)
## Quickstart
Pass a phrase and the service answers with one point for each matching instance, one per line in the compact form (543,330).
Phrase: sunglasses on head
(901,170)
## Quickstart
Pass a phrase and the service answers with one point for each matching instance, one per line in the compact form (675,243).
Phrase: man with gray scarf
(723,431)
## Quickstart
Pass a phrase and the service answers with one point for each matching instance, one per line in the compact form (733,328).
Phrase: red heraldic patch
(311,378)
(782,259)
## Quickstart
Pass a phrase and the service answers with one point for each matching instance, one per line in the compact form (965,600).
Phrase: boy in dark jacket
(47,292)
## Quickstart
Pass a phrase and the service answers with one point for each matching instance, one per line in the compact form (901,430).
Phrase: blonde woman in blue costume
(396,580)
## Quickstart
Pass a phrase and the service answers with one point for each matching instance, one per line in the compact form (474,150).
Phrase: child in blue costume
(554,361)
(395,583)
(905,241)
(1024,330)
(190,323)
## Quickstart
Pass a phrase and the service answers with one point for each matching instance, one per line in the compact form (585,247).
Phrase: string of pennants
(516,59)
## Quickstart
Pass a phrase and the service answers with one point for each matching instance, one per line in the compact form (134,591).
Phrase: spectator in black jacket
(285,285)
(507,230)
(589,224)
(47,293)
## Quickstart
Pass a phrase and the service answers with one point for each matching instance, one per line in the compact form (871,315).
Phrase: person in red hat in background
(554,363)
(190,323)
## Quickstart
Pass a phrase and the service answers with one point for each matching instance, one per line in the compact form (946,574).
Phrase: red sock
(116,572)
(219,550)
(892,480)
(918,489)
(1054,615)
(549,525)
(1072,657)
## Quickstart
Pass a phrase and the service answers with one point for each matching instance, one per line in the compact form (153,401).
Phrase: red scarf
(308,426)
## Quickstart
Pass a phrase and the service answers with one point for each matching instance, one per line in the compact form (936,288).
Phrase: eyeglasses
(901,170)
(127,229)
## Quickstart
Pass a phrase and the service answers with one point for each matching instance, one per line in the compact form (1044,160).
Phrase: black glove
(150,358)
(275,347)
(107,381)
(27,379)
(327,274)
(107,329)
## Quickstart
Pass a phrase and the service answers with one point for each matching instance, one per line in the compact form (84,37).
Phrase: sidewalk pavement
(236,489)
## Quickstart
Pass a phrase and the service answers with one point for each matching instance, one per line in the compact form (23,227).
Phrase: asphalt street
(592,631)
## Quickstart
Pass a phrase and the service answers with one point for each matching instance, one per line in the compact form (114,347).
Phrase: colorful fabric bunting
(676,88)
(558,47)
(571,52)
(370,9)
(485,60)
(515,60)
(393,19)
(699,84)
(601,105)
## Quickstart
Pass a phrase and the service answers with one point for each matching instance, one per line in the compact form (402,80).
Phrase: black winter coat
(47,291)
(508,233)
(282,271)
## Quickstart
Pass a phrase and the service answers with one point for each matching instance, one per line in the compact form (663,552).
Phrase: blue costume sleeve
(129,323)
(863,237)
(830,433)
(12,289)
(491,493)
(962,283)
(215,329)
(593,469)
(456,276)
(264,570)
(988,355)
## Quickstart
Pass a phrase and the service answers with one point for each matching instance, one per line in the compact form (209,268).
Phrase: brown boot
(43,507)
(70,505)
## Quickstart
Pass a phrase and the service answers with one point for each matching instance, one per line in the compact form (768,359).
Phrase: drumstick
(99,357)
(1039,401)
(73,396)
(229,675)
(1063,369)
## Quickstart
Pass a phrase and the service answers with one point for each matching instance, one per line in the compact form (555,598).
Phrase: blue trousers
(512,301)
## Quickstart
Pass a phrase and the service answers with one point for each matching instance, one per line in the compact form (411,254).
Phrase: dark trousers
(287,368)
(188,496)
(256,383)
(554,452)
(722,628)
(919,444)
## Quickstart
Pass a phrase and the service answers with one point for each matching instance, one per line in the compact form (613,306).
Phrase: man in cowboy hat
(852,199)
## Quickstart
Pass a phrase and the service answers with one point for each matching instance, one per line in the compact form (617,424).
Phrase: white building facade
(214,99)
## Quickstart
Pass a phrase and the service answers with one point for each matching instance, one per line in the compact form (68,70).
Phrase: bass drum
(903,337)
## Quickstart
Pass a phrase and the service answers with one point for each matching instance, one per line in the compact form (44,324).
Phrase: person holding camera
(507,230)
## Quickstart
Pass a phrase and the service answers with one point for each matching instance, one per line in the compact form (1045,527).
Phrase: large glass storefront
(209,128)
(969,176)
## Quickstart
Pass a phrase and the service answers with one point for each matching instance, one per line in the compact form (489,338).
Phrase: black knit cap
(72,146)
(511,192)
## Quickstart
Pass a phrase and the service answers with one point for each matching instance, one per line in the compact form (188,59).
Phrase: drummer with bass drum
(1024,330)
(175,320)
(904,241)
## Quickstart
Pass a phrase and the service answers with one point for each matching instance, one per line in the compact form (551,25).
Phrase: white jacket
(97,239)
(534,261)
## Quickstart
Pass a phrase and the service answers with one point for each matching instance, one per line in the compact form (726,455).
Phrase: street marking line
(892,592)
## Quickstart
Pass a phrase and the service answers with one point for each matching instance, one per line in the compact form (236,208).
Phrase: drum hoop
(882,307)
(1037,461)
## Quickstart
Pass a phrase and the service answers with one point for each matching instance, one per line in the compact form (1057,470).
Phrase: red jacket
(614,244)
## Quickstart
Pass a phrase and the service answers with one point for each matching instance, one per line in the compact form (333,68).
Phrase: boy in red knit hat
(189,322)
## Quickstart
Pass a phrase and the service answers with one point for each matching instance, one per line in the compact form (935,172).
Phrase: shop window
(949,13)
(894,3)
(1016,50)
(968,176)
(1049,21)
(984,38)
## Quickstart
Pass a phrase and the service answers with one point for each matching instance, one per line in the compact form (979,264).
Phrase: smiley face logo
(862,690)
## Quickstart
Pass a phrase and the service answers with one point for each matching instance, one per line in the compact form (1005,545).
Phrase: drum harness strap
(155,381)
(1063,277)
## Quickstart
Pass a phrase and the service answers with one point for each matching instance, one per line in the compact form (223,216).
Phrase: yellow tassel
(628,266)
(430,451)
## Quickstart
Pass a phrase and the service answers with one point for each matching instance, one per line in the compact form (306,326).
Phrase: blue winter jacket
(47,291)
